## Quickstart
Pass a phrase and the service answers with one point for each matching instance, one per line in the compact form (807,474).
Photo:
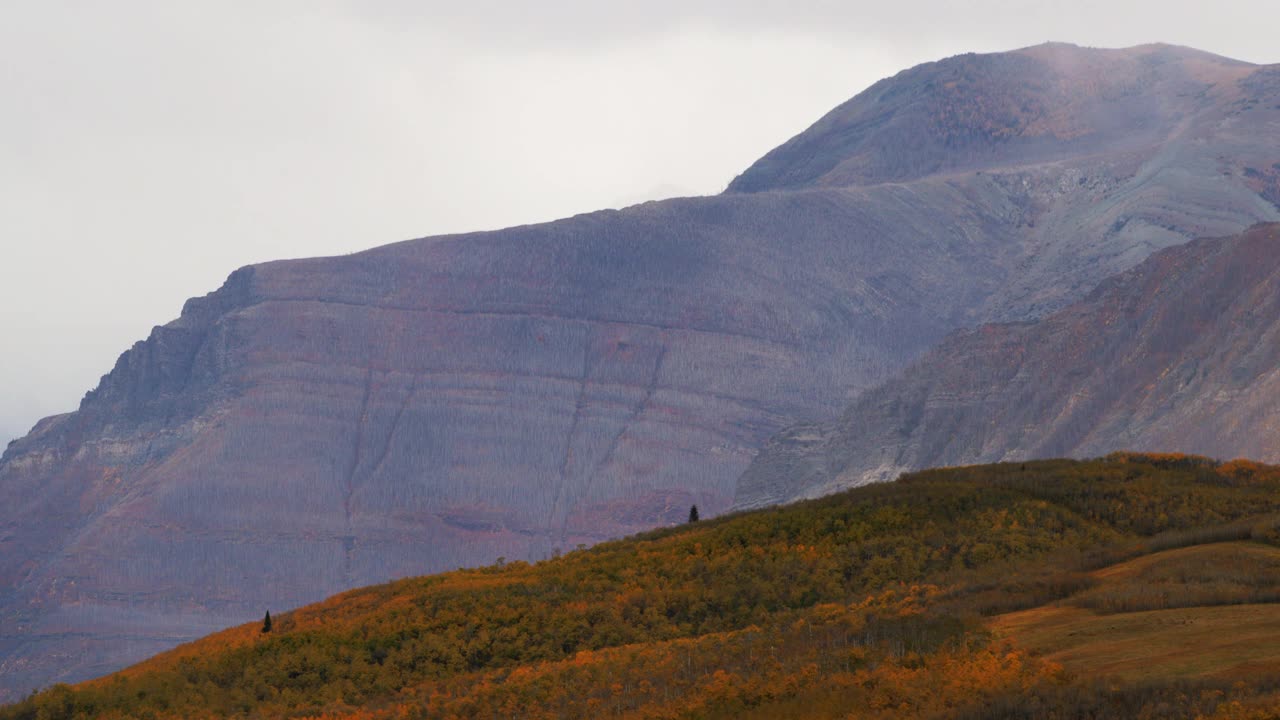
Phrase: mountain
(315,425)
(1044,589)
(964,114)
(1177,354)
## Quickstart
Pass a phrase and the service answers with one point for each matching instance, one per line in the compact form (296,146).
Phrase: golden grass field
(1212,640)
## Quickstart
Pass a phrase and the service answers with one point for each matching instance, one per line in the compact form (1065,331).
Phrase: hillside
(1177,354)
(316,425)
(1203,611)
(921,598)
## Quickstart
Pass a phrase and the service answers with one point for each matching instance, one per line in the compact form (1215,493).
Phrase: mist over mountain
(319,424)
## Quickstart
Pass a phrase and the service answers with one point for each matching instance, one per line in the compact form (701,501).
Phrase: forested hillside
(925,597)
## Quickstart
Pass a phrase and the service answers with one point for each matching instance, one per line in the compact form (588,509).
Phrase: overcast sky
(147,149)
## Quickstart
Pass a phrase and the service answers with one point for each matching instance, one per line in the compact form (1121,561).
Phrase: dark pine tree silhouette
(693,513)
(266,623)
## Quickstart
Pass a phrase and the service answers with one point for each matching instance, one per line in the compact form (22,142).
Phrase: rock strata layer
(1177,355)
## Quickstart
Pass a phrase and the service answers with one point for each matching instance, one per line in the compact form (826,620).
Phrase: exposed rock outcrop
(1181,354)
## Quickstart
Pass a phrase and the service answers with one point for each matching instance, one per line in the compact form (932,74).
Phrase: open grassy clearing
(1207,622)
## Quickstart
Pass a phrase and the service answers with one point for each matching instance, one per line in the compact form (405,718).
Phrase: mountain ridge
(1171,355)
(924,120)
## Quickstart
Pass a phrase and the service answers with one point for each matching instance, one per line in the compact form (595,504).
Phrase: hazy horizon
(150,149)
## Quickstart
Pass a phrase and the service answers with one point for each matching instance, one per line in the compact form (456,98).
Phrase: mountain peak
(978,111)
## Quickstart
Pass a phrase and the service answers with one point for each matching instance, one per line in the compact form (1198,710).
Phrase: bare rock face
(1177,355)
(319,424)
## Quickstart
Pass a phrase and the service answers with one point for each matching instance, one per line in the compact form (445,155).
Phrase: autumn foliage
(870,603)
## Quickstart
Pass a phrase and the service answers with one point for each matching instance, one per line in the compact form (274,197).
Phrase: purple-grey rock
(1179,354)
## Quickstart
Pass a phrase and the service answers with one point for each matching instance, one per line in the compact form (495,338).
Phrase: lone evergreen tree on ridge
(266,623)
(693,513)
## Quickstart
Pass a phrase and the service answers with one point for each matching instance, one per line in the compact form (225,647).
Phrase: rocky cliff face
(1179,354)
(319,424)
